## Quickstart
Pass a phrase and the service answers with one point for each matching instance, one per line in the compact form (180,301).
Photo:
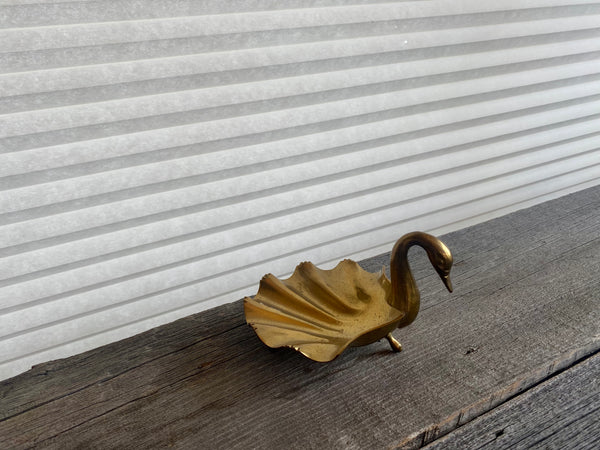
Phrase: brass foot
(396,346)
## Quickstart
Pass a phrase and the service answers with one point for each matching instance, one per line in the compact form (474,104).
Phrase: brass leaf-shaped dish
(321,312)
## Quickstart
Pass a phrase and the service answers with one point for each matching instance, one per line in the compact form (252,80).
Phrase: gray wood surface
(561,413)
(525,306)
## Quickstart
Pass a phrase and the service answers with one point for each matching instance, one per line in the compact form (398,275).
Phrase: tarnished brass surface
(321,312)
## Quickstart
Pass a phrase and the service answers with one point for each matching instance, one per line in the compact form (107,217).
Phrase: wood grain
(562,412)
(525,306)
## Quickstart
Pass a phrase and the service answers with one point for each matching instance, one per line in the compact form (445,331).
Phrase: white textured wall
(157,157)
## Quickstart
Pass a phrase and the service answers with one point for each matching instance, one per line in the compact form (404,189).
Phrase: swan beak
(447,282)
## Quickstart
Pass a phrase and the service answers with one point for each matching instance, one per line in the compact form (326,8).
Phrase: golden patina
(321,312)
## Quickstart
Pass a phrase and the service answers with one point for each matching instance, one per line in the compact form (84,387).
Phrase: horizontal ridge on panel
(228,215)
(57,12)
(180,102)
(130,209)
(252,210)
(68,78)
(70,189)
(114,32)
(67,150)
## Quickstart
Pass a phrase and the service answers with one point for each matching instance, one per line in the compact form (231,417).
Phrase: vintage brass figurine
(321,312)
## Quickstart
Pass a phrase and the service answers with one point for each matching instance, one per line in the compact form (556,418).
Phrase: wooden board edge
(436,431)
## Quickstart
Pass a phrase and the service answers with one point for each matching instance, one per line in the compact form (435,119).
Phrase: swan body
(322,312)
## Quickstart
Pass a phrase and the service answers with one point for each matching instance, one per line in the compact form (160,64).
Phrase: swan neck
(405,294)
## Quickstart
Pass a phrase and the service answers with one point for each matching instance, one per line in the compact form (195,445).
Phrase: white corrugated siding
(157,157)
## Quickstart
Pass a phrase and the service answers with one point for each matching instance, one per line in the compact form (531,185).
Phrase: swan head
(439,255)
(441,260)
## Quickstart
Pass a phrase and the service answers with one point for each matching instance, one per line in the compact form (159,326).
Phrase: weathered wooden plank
(562,412)
(526,302)
(55,379)
(487,403)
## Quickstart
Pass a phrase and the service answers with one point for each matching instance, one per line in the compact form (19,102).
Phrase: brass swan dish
(321,312)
